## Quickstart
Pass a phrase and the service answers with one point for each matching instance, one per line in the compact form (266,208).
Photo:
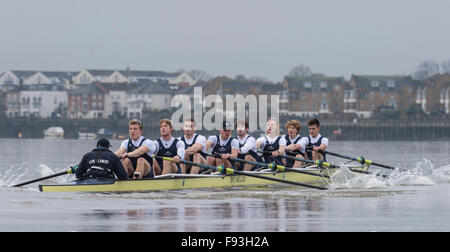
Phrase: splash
(423,173)
(345,178)
(24,172)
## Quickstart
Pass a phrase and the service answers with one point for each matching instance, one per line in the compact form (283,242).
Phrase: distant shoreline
(364,130)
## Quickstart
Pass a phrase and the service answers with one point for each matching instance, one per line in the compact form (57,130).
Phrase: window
(375,83)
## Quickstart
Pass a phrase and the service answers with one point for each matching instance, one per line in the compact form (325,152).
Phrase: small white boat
(84,134)
(54,133)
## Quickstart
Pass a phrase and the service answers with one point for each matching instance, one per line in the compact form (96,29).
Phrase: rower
(168,146)
(315,143)
(136,152)
(195,148)
(247,145)
(101,163)
(293,145)
(272,145)
(223,145)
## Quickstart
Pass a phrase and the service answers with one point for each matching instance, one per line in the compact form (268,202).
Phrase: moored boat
(54,133)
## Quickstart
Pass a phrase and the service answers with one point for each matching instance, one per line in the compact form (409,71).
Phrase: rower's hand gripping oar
(281,168)
(229,171)
(71,170)
(319,162)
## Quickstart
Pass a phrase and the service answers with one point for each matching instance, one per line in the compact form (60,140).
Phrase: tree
(199,75)
(300,71)
(446,66)
(259,79)
(240,77)
(426,69)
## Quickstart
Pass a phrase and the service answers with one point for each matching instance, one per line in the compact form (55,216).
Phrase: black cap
(103,143)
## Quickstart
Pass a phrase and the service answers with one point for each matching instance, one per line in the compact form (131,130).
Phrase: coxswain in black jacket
(101,163)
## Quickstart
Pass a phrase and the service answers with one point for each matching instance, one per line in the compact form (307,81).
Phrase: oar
(319,162)
(71,170)
(329,165)
(279,167)
(273,166)
(360,160)
(229,171)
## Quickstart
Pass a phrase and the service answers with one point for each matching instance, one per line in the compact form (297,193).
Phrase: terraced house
(434,95)
(88,76)
(367,94)
(310,96)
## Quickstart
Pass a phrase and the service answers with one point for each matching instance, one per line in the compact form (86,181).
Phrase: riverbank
(334,129)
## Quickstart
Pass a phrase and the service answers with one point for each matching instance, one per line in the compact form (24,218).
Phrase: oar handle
(220,169)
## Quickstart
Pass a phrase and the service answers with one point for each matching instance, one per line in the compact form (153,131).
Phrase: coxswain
(101,163)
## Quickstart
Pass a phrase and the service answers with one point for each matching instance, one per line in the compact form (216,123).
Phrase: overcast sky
(254,38)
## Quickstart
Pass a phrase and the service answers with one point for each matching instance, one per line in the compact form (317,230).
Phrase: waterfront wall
(334,129)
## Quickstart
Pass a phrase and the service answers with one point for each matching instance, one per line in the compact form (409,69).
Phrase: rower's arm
(323,147)
(209,144)
(197,147)
(282,149)
(234,153)
(139,152)
(120,151)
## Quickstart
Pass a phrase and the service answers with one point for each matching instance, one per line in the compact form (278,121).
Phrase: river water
(415,201)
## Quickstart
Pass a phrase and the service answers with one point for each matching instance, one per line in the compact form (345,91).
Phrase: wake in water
(24,172)
(424,174)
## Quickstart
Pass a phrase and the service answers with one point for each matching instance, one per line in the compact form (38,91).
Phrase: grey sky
(255,38)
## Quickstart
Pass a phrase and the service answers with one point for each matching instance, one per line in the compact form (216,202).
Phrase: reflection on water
(268,215)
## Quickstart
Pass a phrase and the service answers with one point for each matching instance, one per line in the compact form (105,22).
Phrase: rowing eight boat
(186,181)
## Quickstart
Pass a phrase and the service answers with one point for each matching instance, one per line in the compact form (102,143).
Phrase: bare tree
(259,79)
(300,71)
(426,69)
(199,75)
(240,77)
(446,66)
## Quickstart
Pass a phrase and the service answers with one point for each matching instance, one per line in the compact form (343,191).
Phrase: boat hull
(179,181)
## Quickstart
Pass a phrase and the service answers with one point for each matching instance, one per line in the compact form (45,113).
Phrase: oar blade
(69,171)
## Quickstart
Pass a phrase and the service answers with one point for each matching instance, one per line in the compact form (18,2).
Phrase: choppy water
(416,201)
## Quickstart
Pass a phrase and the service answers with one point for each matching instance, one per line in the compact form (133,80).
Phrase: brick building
(366,94)
(310,96)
